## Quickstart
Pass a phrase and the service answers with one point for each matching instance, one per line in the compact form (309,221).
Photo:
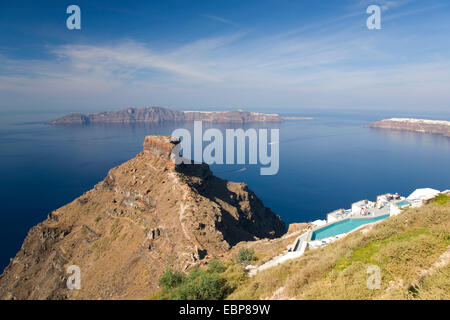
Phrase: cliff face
(416,125)
(130,115)
(157,115)
(147,215)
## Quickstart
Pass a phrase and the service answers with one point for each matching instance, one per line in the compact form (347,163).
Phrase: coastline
(438,127)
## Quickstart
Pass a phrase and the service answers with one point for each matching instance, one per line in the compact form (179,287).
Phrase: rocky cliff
(417,125)
(158,115)
(147,215)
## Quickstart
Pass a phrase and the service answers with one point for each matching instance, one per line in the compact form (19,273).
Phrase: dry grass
(267,249)
(402,246)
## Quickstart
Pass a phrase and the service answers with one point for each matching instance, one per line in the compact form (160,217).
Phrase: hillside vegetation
(411,250)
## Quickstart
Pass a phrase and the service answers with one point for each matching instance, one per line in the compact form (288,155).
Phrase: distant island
(158,115)
(417,125)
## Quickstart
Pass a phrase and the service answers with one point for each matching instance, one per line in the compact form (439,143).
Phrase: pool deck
(297,249)
(342,214)
(386,205)
(302,242)
(324,241)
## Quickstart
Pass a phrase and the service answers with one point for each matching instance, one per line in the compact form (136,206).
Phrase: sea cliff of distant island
(159,115)
(417,125)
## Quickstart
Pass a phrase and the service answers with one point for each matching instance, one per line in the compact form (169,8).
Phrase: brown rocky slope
(147,215)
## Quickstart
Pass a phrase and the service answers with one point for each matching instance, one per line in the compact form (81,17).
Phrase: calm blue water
(343,227)
(325,164)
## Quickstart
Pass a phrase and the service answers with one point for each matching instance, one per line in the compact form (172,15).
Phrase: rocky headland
(147,215)
(417,125)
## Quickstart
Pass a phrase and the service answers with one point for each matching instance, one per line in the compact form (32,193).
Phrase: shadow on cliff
(243,215)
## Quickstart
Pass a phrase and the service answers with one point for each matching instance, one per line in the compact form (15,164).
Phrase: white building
(362,207)
(319,223)
(423,195)
(394,210)
(335,215)
(383,200)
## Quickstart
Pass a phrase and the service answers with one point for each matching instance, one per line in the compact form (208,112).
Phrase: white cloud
(333,68)
(124,60)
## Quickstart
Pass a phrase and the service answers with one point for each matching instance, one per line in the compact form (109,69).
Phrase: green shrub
(215,282)
(202,286)
(216,266)
(245,255)
(442,199)
(171,279)
(235,276)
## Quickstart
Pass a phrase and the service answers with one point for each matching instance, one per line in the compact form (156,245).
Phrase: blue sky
(260,55)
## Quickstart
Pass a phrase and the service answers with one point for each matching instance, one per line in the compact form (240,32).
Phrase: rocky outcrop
(159,115)
(147,215)
(237,116)
(296,227)
(416,125)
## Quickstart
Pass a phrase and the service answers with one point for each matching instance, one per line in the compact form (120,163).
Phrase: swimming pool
(403,204)
(343,227)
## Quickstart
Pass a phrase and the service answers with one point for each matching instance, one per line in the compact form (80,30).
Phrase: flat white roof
(423,193)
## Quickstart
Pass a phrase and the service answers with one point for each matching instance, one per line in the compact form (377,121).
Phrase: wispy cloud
(219,19)
(334,67)
(415,11)
(125,60)
(386,4)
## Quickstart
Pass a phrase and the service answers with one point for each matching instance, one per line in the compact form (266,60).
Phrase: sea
(325,163)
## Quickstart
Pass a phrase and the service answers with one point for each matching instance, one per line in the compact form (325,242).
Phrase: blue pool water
(402,204)
(343,227)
